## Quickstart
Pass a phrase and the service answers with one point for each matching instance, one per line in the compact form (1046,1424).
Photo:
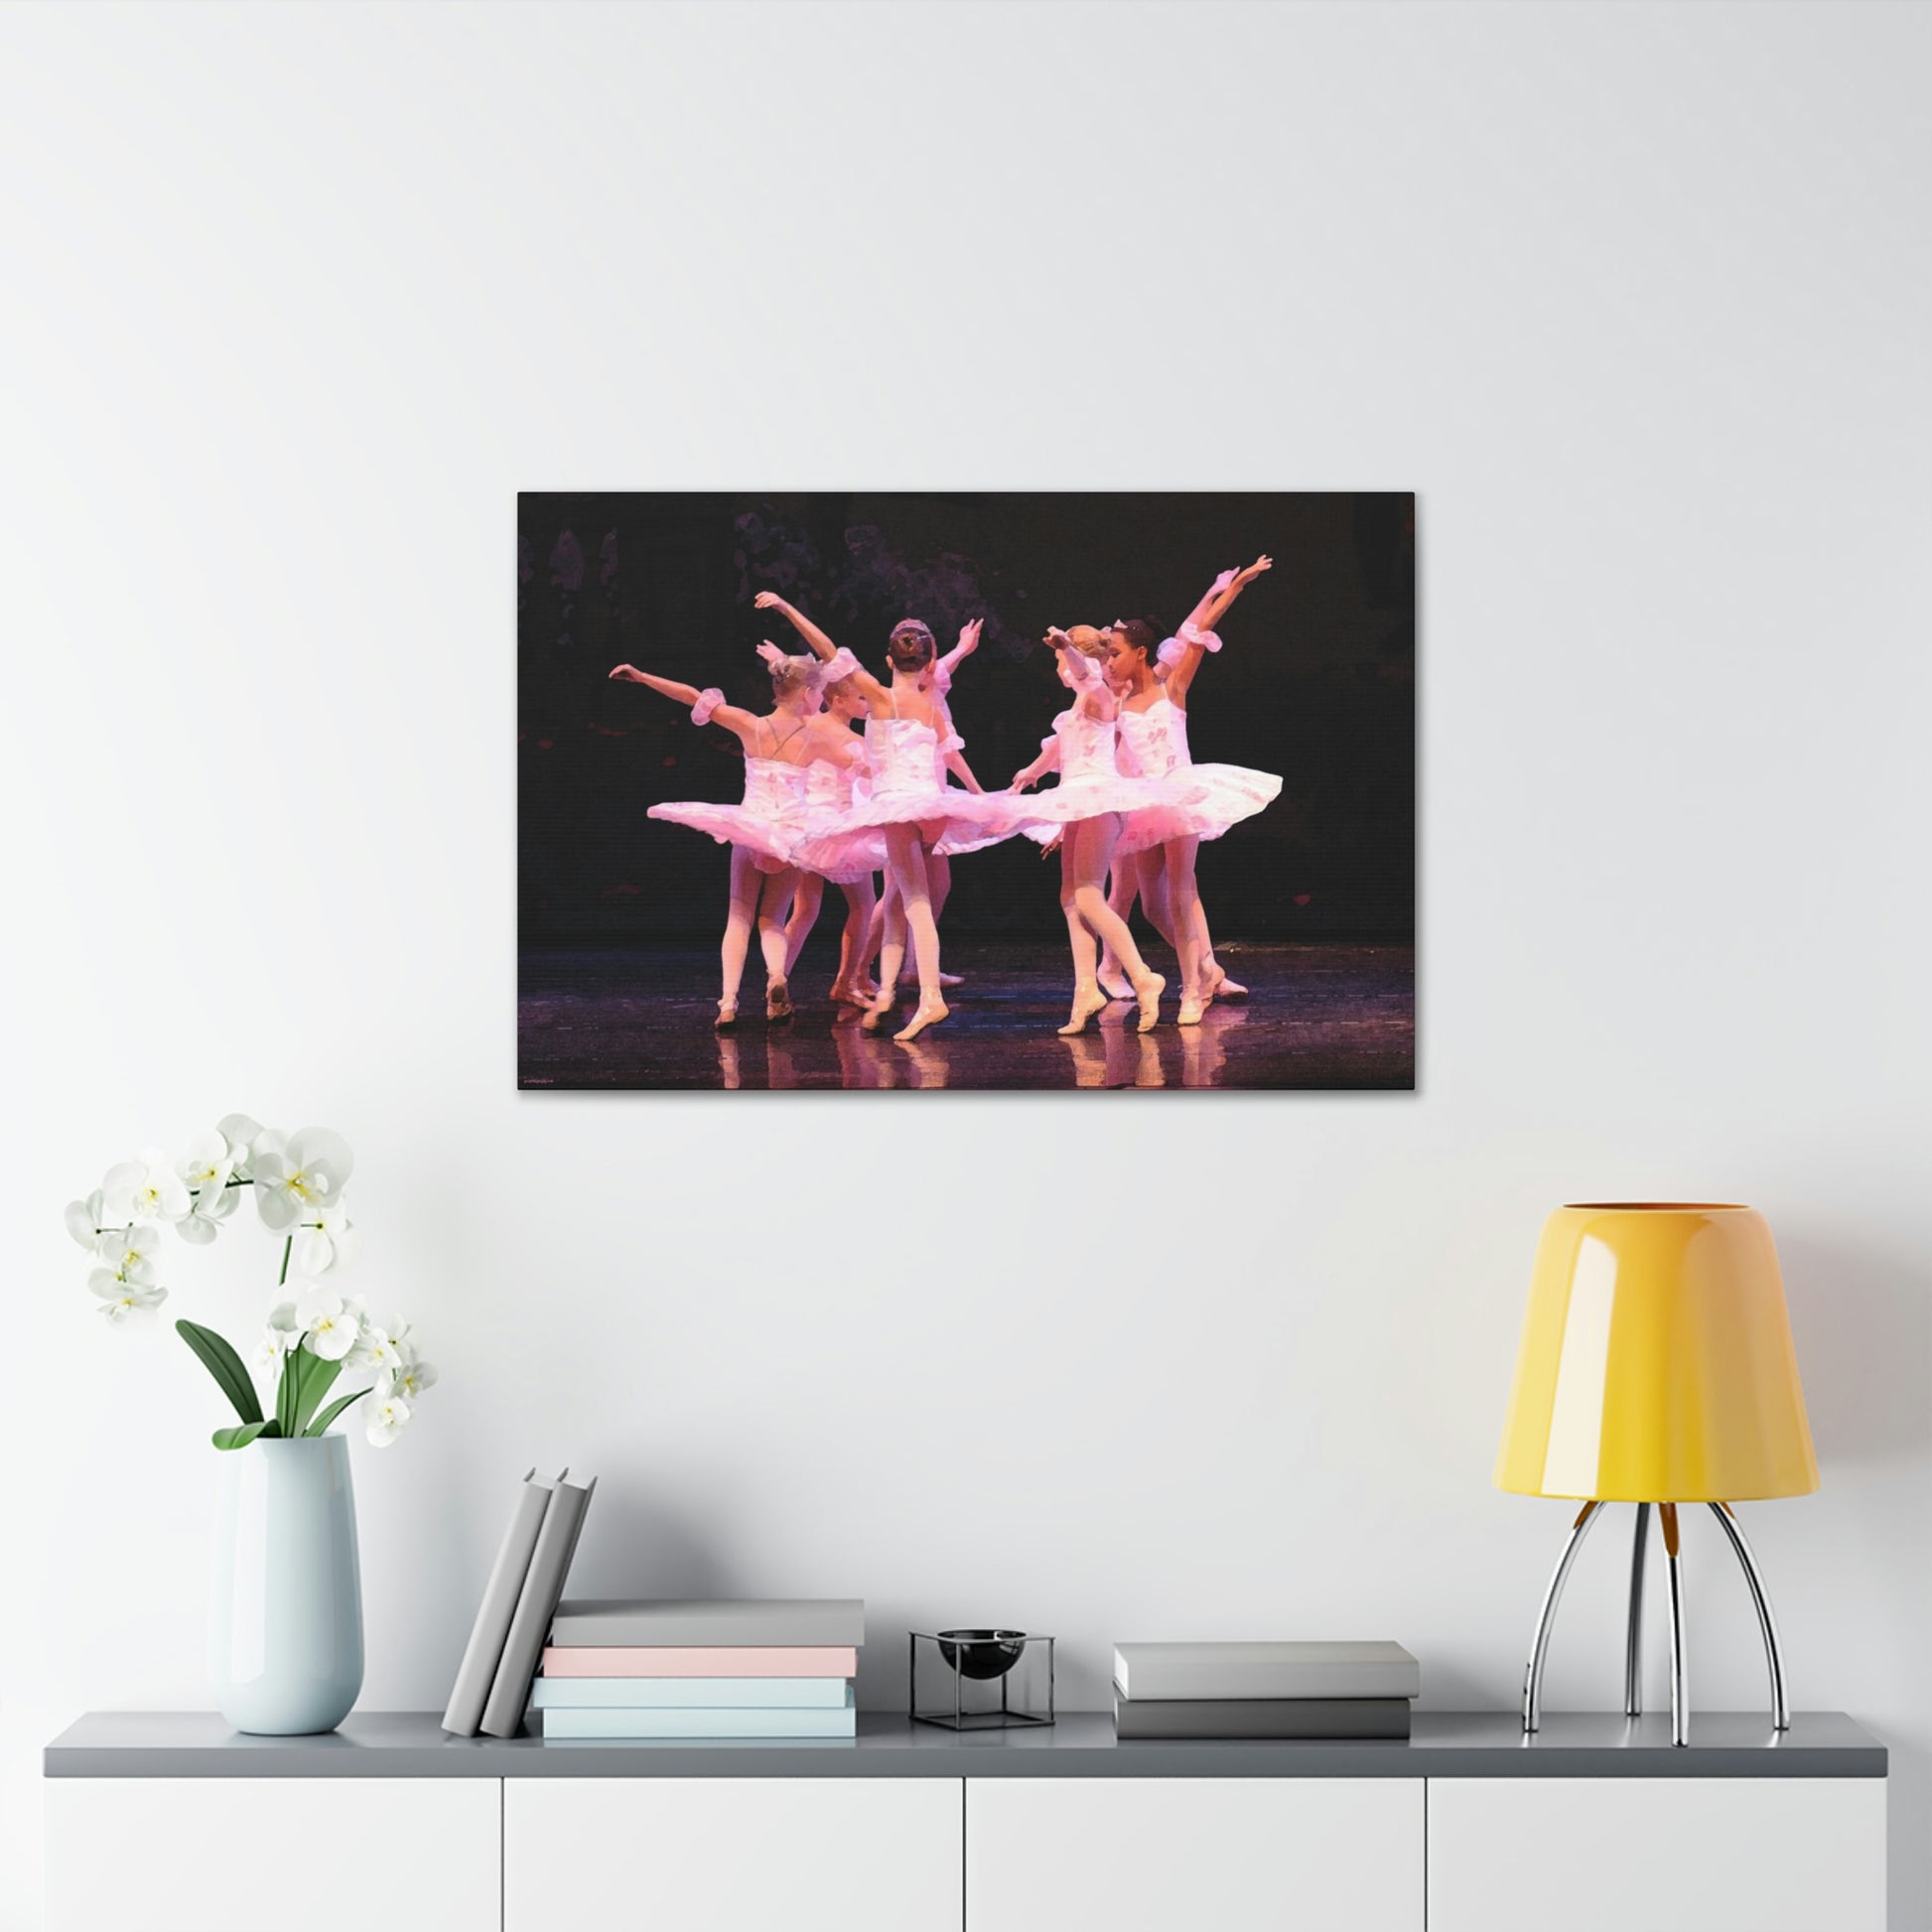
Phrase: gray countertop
(1445,1745)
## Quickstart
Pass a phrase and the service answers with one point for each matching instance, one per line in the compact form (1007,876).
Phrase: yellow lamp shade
(1656,1363)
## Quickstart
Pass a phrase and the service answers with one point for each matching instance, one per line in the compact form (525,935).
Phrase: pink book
(734,1660)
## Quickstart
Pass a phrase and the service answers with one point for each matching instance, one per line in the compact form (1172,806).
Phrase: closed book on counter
(783,1622)
(1275,1718)
(1265,1670)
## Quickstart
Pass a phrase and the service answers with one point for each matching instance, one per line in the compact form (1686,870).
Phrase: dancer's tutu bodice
(1153,744)
(831,792)
(1092,784)
(770,818)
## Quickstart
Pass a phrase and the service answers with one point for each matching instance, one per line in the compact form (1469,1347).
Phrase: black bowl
(981,1654)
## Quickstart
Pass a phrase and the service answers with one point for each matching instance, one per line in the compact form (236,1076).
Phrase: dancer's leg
(1092,844)
(891,955)
(1123,888)
(1087,996)
(778,889)
(938,878)
(1156,900)
(1182,894)
(850,986)
(804,915)
(738,930)
(1215,984)
(908,853)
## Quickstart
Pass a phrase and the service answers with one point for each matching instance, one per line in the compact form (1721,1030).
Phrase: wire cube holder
(980,1680)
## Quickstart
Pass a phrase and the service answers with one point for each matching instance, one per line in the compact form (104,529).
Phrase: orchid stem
(288,1248)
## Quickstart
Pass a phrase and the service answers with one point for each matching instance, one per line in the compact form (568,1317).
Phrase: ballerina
(837,770)
(761,830)
(1086,810)
(1153,744)
(918,815)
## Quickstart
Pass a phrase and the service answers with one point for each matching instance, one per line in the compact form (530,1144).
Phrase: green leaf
(224,1366)
(289,1388)
(319,1426)
(240,1435)
(318,1376)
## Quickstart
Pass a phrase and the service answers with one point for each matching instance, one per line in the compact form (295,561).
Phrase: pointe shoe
(1220,987)
(1115,984)
(952,979)
(1148,990)
(883,1001)
(1192,1007)
(1087,1001)
(778,1000)
(727,1015)
(926,1015)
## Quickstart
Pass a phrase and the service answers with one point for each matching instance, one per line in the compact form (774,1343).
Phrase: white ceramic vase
(285,1637)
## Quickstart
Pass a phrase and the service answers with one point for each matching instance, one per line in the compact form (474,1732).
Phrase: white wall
(1636,298)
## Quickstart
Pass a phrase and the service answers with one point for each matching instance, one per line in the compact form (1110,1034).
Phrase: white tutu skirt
(950,821)
(770,838)
(1076,799)
(1225,796)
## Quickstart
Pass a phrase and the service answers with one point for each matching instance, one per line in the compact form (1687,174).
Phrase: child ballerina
(916,812)
(1153,732)
(838,768)
(763,829)
(1086,811)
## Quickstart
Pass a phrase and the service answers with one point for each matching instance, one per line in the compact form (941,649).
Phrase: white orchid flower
(295,1181)
(375,1348)
(213,1206)
(387,1420)
(134,1254)
(144,1190)
(328,1241)
(208,1162)
(282,1335)
(84,1218)
(331,1327)
(241,1134)
(409,1380)
(122,1298)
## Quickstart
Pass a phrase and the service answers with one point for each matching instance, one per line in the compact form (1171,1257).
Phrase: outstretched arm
(733,717)
(821,645)
(1196,636)
(969,642)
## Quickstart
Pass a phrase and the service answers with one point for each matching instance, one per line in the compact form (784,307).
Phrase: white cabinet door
(730,1854)
(1195,1854)
(271,1854)
(1669,1855)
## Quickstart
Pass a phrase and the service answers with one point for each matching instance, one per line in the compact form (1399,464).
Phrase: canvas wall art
(1084,791)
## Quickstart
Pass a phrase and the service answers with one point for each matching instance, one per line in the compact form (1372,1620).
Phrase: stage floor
(1321,1016)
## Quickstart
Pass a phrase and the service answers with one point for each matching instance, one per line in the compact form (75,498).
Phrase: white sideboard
(172,1823)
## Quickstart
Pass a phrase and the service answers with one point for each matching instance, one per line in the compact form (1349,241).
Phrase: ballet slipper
(929,1013)
(882,1004)
(1192,1007)
(1087,1001)
(727,1016)
(778,1000)
(1116,985)
(1148,990)
(1219,987)
(952,979)
(852,996)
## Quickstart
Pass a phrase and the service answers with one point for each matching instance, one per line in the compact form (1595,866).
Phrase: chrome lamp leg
(1633,1639)
(1680,1701)
(1540,1643)
(1766,1623)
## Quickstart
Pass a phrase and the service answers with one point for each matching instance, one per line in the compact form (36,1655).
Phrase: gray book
(536,1603)
(1266,1670)
(1309,1718)
(785,1622)
(484,1650)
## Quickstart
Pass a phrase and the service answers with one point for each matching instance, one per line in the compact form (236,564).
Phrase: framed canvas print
(1021,791)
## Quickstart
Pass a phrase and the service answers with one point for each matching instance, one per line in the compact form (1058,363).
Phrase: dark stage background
(1316,683)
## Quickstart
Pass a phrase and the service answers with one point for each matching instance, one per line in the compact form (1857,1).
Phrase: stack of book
(641,1668)
(1264,1690)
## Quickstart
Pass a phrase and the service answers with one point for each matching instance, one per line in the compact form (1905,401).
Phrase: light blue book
(692,1692)
(643,1724)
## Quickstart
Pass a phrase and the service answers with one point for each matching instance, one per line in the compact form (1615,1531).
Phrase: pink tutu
(831,792)
(768,822)
(1153,744)
(906,791)
(1092,785)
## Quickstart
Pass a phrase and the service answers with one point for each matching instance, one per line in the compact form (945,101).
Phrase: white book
(484,1650)
(700,1723)
(1151,1672)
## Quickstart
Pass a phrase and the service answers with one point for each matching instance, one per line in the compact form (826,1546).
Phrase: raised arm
(707,707)
(1196,636)
(944,668)
(1089,684)
(821,645)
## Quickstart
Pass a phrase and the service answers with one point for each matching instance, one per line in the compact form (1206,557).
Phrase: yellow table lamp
(1656,1366)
